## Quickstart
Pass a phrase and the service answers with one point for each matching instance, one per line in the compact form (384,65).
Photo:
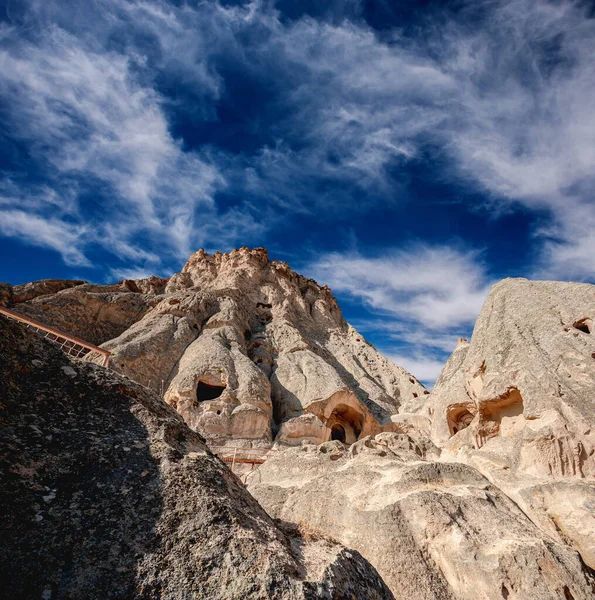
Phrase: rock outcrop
(243,348)
(517,403)
(95,313)
(433,529)
(484,488)
(106,493)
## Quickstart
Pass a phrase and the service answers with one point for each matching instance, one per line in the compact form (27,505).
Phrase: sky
(407,154)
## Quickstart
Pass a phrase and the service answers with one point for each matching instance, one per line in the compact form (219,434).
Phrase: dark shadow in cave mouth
(204,391)
(338,433)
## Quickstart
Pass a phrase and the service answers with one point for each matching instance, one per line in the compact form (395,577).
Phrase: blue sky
(408,154)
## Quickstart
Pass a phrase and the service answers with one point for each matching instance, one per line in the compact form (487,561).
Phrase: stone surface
(44,287)
(95,313)
(5,294)
(432,529)
(517,403)
(243,348)
(106,493)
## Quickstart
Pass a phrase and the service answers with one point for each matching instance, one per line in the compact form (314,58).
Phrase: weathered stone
(106,493)
(432,529)
(517,403)
(44,287)
(5,294)
(95,313)
(242,347)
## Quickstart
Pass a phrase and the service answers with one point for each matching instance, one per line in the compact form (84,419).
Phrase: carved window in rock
(500,416)
(459,418)
(338,432)
(205,391)
(345,424)
(585,325)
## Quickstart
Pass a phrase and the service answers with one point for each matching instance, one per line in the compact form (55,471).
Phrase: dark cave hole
(583,325)
(204,391)
(338,433)
(567,593)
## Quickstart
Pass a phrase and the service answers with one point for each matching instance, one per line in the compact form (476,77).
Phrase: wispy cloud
(63,237)
(436,286)
(504,89)
(500,93)
(423,299)
(97,129)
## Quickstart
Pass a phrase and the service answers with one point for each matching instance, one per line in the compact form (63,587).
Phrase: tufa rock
(106,493)
(431,529)
(244,349)
(517,403)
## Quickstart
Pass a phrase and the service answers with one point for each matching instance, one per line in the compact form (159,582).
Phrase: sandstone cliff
(433,529)
(241,346)
(106,493)
(517,403)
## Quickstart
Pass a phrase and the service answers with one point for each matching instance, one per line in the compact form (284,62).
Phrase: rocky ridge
(106,493)
(484,488)
(243,347)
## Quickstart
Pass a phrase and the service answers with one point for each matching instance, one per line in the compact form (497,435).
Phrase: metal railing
(238,455)
(70,344)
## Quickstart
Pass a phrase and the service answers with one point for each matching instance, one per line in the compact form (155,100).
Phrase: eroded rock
(432,529)
(106,493)
(517,403)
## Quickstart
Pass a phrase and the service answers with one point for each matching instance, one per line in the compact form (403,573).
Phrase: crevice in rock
(205,391)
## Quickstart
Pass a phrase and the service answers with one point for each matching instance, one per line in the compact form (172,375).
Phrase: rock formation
(484,488)
(95,313)
(242,347)
(433,529)
(517,403)
(106,493)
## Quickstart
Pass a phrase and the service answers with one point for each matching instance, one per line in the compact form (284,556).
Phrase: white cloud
(136,273)
(511,101)
(435,286)
(85,114)
(424,368)
(423,298)
(49,233)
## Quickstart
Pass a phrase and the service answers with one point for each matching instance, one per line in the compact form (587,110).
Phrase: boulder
(432,529)
(517,403)
(106,493)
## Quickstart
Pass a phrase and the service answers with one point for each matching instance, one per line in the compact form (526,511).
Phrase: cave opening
(345,424)
(459,417)
(204,391)
(338,433)
(584,325)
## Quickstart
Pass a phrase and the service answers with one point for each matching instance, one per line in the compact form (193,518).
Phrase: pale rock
(431,529)
(95,313)
(244,349)
(517,403)
(139,507)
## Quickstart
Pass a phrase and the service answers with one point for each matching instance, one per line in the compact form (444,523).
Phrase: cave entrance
(204,391)
(345,424)
(338,433)
(459,417)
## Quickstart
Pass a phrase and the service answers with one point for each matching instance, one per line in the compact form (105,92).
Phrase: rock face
(243,348)
(432,529)
(106,493)
(517,403)
(95,313)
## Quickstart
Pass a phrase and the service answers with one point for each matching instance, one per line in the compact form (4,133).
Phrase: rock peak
(244,348)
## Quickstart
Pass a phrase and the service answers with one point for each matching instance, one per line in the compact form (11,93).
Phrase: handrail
(57,333)
(240,454)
